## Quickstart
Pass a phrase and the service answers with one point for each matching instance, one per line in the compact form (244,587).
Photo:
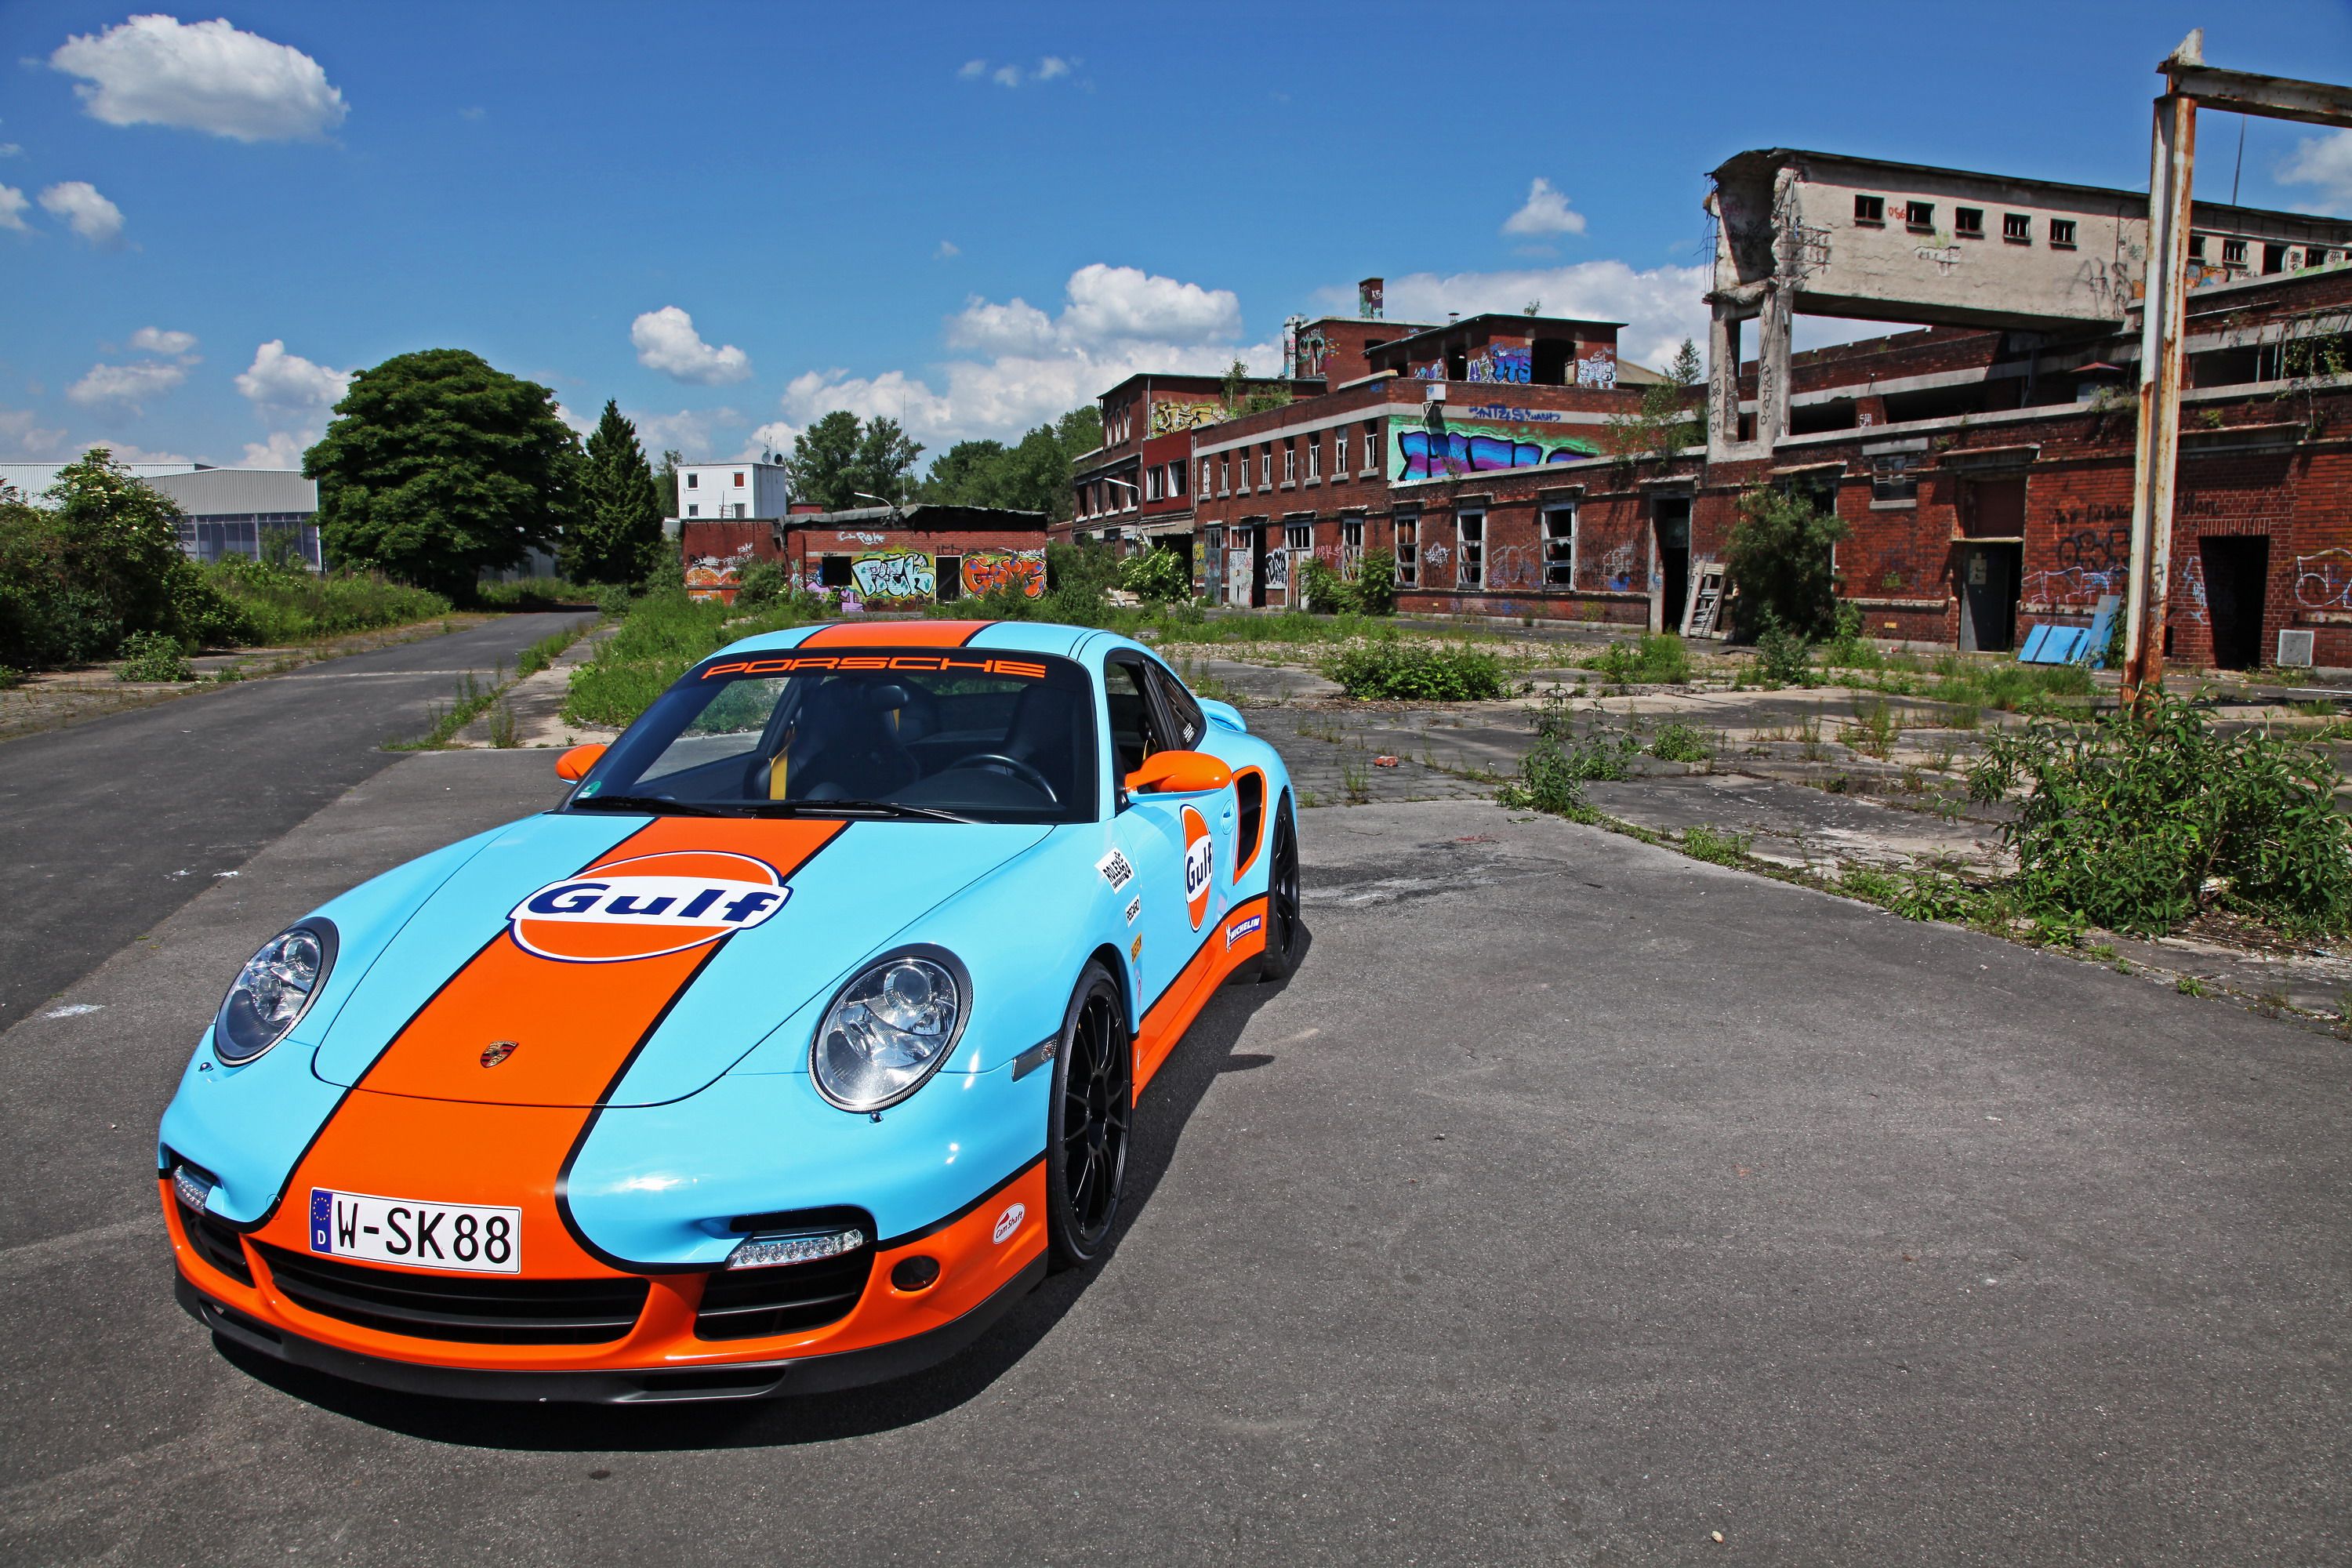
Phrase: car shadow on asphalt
(1207,1053)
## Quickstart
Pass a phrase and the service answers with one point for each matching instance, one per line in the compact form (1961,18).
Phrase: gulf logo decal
(647,905)
(1199,859)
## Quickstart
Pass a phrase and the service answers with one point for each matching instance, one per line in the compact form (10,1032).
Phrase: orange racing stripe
(1212,964)
(894,634)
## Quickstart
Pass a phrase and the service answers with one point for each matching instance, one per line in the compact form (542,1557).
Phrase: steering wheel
(998,762)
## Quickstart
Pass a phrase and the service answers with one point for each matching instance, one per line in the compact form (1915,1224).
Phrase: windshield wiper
(653,804)
(889,808)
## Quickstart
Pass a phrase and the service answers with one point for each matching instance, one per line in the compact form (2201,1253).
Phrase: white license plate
(471,1236)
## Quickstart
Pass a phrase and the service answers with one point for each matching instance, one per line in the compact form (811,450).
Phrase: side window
(1184,713)
(1134,727)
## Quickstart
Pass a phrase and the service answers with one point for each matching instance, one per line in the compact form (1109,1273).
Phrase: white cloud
(1546,211)
(1052,68)
(667,342)
(201,76)
(157,341)
(1102,305)
(282,450)
(1052,65)
(1006,75)
(10,150)
(11,209)
(129,385)
(777,435)
(85,212)
(130,452)
(2325,161)
(691,431)
(22,435)
(947,251)
(973,70)
(291,392)
(579,426)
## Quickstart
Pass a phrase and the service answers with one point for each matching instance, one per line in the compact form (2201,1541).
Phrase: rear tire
(1088,1121)
(1282,927)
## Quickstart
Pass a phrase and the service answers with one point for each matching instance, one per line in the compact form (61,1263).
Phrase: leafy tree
(1244,395)
(823,456)
(886,457)
(1034,476)
(120,539)
(666,482)
(438,466)
(969,473)
(1669,420)
(618,530)
(1779,554)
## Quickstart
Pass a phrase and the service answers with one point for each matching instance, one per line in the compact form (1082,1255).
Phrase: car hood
(584,959)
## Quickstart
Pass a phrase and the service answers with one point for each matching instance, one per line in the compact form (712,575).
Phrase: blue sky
(733,217)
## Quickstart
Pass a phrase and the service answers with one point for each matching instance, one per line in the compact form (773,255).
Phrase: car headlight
(273,991)
(890,1028)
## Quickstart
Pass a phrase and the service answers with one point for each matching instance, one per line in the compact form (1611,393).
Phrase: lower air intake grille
(217,1242)
(751,1303)
(488,1310)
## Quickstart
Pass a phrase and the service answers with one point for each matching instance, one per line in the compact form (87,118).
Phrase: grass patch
(1703,842)
(153,656)
(280,605)
(1679,743)
(537,594)
(1389,667)
(665,633)
(1656,658)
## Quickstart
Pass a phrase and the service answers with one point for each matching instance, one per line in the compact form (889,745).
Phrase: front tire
(1088,1121)
(1282,927)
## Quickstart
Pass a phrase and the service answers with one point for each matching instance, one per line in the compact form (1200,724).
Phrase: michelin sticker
(1116,870)
(1241,928)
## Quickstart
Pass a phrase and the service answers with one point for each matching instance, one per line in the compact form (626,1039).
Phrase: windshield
(959,735)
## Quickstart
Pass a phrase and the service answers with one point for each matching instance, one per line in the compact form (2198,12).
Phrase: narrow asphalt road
(1574,1203)
(111,824)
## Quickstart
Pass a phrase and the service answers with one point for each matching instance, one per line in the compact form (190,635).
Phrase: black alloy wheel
(1282,927)
(1087,1122)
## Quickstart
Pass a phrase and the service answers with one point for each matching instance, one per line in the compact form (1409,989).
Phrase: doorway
(1257,567)
(1989,584)
(2237,569)
(1672,524)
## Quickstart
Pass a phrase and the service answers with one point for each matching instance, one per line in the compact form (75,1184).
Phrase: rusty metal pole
(2164,310)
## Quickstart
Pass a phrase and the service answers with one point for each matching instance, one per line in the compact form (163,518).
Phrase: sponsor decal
(1116,870)
(1135,950)
(646,907)
(1008,1222)
(1200,860)
(1134,908)
(928,663)
(1241,928)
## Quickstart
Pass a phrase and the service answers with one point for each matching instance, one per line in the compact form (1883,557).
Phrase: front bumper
(642,1385)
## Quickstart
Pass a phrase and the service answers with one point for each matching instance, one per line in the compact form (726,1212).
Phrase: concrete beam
(2268,97)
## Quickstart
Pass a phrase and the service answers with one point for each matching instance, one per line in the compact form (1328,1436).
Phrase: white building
(222,511)
(710,491)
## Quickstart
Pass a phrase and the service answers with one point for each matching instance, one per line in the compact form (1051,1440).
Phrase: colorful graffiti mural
(897,574)
(1423,454)
(1598,370)
(1371,299)
(717,576)
(986,571)
(1173,418)
(1500,361)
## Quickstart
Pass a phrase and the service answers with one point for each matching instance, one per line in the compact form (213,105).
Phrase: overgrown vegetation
(1157,576)
(1779,554)
(2139,819)
(1668,419)
(1389,667)
(1655,658)
(1564,759)
(664,633)
(277,604)
(537,594)
(153,656)
(1371,592)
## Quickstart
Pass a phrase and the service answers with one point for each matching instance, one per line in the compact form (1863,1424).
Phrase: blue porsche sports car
(785,1054)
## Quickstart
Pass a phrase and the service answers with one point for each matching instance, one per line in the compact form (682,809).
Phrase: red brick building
(874,557)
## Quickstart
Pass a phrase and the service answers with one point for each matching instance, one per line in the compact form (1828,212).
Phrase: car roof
(1021,636)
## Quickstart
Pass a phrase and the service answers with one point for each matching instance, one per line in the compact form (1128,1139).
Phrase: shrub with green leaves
(1655,658)
(153,656)
(1323,591)
(2139,818)
(1389,666)
(761,583)
(1374,591)
(1781,553)
(1157,576)
(1679,743)
(1783,657)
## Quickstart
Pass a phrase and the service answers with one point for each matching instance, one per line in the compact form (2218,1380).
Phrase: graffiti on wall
(1423,454)
(854,536)
(1277,568)
(2190,596)
(1369,300)
(1597,368)
(896,575)
(1312,352)
(1237,576)
(1500,361)
(1514,567)
(2070,589)
(2323,581)
(1515,415)
(717,576)
(985,571)
(1173,418)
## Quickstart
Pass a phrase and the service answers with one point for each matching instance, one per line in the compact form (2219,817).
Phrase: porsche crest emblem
(498,1051)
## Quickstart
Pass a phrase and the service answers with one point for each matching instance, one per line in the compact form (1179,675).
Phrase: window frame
(2062,234)
(1405,545)
(1968,223)
(1919,216)
(1869,212)
(1463,518)
(1157,726)
(1550,538)
(2017,229)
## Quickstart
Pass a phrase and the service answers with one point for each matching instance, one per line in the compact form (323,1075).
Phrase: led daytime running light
(770,1251)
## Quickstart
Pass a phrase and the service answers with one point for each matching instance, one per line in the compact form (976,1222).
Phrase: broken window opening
(1968,223)
(833,571)
(1470,554)
(1870,212)
(2062,234)
(1560,547)
(1408,548)
(1919,218)
(2017,229)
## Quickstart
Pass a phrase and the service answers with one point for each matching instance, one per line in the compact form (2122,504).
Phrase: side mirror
(574,763)
(1179,773)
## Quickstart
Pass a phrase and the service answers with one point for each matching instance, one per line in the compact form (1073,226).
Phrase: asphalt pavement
(1574,1203)
(113,824)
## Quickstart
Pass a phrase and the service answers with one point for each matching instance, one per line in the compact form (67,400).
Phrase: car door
(1173,844)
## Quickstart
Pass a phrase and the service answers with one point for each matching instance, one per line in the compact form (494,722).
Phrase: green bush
(536,593)
(2137,820)
(1784,657)
(1389,667)
(761,583)
(1679,743)
(279,603)
(1781,553)
(1653,659)
(153,656)
(1157,576)
(1321,590)
(1375,585)
(1553,773)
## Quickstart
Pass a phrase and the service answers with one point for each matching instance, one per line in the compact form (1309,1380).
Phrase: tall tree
(666,482)
(885,459)
(119,538)
(823,456)
(966,474)
(438,466)
(617,533)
